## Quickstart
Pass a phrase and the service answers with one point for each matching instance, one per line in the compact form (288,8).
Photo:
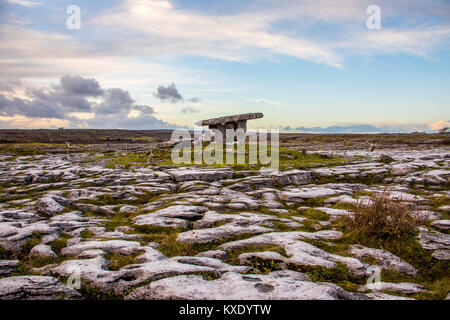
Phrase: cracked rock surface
(280,285)
(35,288)
(178,232)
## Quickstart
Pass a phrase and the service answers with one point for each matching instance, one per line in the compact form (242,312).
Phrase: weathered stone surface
(113,246)
(297,177)
(211,204)
(441,224)
(221,232)
(434,240)
(152,265)
(335,213)
(234,118)
(128,209)
(200,174)
(444,208)
(279,285)
(299,195)
(441,254)
(14,235)
(386,260)
(35,288)
(436,177)
(101,233)
(299,252)
(426,215)
(49,205)
(218,254)
(215,263)
(243,219)
(174,216)
(314,191)
(384,296)
(403,287)
(348,199)
(7,267)
(71,221)
(401,170)
(42,250)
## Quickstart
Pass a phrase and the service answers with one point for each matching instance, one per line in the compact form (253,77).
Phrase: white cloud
(32,56)
(23,122)
(137,31)
(189,110)
(139,38)
(243,36)
(160,28)
(414,41)
(134,113)
(439,125)
(81,115)
(24,3)
(267,101)
(77,102)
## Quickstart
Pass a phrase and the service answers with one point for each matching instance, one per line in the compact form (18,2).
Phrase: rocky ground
(130,229)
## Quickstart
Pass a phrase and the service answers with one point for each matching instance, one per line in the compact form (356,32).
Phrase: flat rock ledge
(35,288)
(277,285)
(402,288)
(8,266)
(386,260)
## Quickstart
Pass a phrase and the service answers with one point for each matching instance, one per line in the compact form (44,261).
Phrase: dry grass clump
(382,218)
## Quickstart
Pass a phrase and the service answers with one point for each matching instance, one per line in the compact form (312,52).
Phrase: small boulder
(385,158)
(128,209)
(42,250)
(49,206)
(441,224)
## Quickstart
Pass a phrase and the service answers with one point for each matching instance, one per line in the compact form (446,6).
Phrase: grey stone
(8,266)
(173,216)
(221,232)
(296,177)
(384,296)
(42,250)
(49,206)
(35,288)
(200,174)
(299,252)
(386,260)
(113,246)
(218,254)
(434,240)
(280,285)
(403,287)
(128,209)
(441,254)
(441,224)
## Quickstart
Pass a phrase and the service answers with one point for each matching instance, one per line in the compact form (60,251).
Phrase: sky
(309,66)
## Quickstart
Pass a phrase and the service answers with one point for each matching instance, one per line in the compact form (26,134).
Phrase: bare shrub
(381,218)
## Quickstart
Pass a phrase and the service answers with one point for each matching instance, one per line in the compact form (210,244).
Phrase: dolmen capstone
(234,122)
